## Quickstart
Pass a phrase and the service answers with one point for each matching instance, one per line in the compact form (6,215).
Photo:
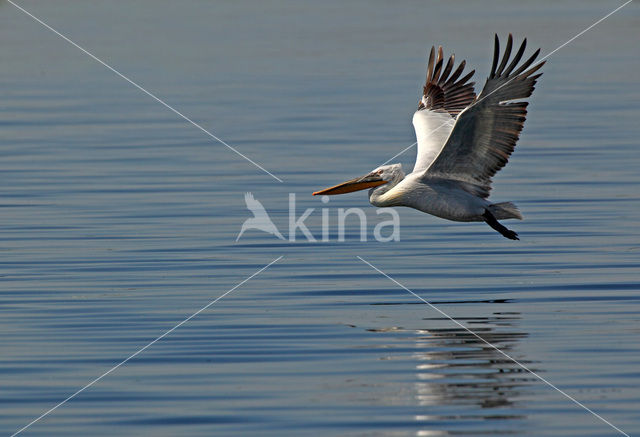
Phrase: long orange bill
(357,184)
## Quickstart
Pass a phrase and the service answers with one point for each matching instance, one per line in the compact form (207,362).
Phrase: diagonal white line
(507,82)
(587,29)
(150,94)
(496,348)
(408,147)
(145,347)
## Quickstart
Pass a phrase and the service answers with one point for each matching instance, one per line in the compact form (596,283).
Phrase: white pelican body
(440,197)
(463,140)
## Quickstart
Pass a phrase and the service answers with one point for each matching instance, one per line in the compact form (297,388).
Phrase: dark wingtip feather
(456,74)
(533,69)
(517,57)
(467,77)
(432,55)
(496,55)
(436,71)
(527,63)
(447,69)
(505,57)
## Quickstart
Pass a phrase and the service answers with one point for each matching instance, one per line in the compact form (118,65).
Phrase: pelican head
(380,180)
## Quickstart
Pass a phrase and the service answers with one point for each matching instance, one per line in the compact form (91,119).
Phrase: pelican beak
(362,183)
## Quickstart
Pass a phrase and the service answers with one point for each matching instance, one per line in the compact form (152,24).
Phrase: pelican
(463,140)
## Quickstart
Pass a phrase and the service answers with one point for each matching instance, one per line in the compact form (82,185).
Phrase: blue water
(119,220)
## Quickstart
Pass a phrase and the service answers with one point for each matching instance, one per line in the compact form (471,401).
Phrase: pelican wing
(485,134)
(444,96)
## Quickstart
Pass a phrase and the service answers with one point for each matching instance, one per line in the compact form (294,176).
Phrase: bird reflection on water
(454,368)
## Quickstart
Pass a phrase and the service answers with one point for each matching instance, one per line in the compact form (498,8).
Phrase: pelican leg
(495,224)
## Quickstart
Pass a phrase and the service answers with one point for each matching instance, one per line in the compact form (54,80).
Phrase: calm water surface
(119,220)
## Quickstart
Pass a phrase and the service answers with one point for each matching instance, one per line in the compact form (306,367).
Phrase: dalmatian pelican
(463,140)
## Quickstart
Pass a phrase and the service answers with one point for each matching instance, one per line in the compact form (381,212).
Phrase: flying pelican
(260,220)
(463,140)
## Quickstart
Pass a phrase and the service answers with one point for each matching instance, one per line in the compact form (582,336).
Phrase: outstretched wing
(254,205)
(485,133)
(443,98)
